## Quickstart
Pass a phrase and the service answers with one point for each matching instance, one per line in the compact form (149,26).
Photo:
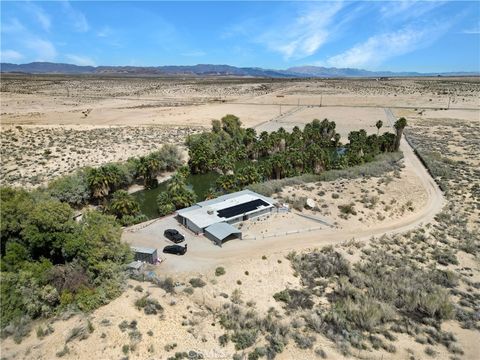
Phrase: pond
(200,184)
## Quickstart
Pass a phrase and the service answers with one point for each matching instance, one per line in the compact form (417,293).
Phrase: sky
(424,36)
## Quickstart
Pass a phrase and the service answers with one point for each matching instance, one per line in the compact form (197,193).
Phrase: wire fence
(291,232)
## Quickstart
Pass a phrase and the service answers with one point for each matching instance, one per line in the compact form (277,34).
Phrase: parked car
(175,249)
(173,235)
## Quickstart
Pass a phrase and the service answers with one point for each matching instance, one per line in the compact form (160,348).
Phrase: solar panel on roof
(241,208)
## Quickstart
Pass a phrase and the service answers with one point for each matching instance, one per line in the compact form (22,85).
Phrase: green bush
(219,271)
(72,189)
(197,283)
(244,338)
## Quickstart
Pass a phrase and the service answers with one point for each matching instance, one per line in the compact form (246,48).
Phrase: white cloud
(44,49)
(13,26)
(472,30)
(105,31)
(76,17)
(80,60)
(381,47)
(10,56)
(305,34)
(407,9)
(39,14)
(31,44)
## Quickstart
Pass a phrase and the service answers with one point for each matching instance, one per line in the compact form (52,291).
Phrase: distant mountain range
(209,70)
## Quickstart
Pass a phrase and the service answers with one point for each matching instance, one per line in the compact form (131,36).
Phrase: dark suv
(174,235)
(175,249)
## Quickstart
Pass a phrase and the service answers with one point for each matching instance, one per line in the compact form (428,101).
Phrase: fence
(247,237)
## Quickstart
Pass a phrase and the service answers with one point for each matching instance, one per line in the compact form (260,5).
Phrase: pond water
(200,184)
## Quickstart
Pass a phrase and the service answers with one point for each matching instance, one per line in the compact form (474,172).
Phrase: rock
(310,203)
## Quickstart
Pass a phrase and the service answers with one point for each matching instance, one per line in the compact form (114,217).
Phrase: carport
(221,232)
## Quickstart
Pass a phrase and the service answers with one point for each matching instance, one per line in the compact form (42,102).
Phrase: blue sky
(376,35)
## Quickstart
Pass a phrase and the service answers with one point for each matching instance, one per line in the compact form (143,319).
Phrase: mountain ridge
(211,70)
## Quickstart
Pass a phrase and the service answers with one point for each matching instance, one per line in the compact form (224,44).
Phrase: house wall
(260,213)
(190,225)
(150,258)
(235,220)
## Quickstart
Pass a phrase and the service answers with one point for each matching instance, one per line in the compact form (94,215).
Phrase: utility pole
(321,100)
(449,98)
(280,109)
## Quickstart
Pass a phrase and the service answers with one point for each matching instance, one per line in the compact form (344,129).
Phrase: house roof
(143,250)
(222,230)
(213,211)
(135,265)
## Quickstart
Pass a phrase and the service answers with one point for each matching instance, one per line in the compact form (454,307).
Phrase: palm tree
(123,204)
(248,175)
(98,182)
(277,163)
(379,125)
(399,126)
(226,183)
(297,159)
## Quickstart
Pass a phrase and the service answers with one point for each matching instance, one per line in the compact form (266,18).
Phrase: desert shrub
(382,164)
(219,271)
(170,347)
(303,341)
(188,290)
(321,353)
(276,345)
(430,351)
(455,349)
(124,325)
(295,299)
(363,313)
(257,353)
(445,256)
(63,352)
(223,340)
(348,209)
(197,282)
(244,338)
(150,306)
(445,278)
(79,332)
(166,284)
(320,264)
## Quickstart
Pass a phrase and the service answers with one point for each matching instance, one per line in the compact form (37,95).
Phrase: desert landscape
(328,279)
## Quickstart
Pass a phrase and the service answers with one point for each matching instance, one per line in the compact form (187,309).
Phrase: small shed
(221,232)
(135,266)
(148,255)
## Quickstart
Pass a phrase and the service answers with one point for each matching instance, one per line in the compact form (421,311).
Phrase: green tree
(400,124)
(165,204)
(379,125)
(98,182)
(72,189)
(123,204)
(231,124)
